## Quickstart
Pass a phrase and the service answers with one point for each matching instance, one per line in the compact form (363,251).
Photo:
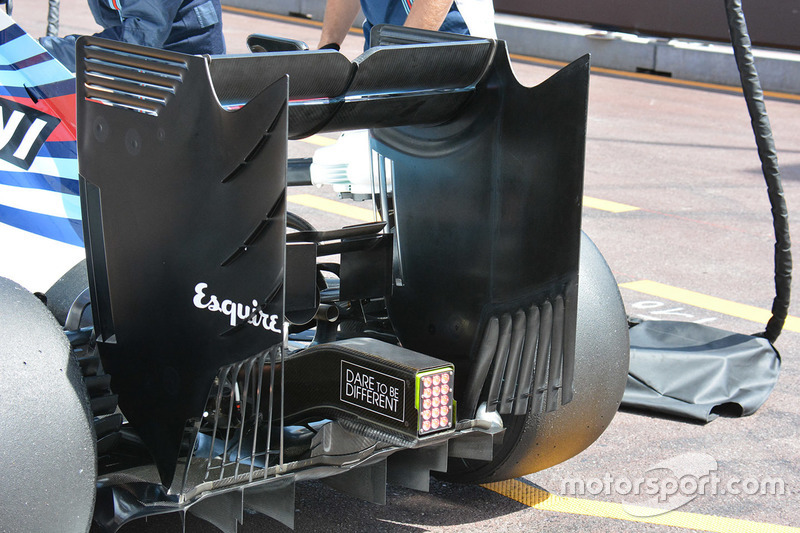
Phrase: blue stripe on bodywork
(27,62)
(19,50)
(51,90)
(10,33)
(30,180)
(72,207)
(60,149)
(64,230)
(38,75)
(66,168)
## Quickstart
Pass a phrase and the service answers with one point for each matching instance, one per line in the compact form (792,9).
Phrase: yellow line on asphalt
(710,303)
(652,288)
(340,208)
(544,501)
(607,205)
(332,206)
(319,140)
(273,16)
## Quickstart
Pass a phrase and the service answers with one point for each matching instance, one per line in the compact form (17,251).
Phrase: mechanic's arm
(428,14)
(338,19)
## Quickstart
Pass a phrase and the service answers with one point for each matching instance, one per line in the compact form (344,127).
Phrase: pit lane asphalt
(685,158)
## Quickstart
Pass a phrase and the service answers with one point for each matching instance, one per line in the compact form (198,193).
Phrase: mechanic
(469,17)
(188,26)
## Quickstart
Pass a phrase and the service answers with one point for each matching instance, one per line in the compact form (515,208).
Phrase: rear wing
(183,173)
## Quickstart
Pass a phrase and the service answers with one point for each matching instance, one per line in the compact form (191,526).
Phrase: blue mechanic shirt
(395,12)
(188,26)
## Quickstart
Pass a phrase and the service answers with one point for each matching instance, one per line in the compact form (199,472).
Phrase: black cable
(754,96)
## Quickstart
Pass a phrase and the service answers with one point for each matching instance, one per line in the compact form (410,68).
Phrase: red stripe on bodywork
(61,107)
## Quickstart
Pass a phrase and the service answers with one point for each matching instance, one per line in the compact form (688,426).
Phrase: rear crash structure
(471,330)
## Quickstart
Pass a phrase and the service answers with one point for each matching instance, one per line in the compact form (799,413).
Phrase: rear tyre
(45,421)
(63,293)
(68,300)
(535,442)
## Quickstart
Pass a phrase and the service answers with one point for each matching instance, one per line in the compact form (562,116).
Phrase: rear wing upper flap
(385,86)
(421,83)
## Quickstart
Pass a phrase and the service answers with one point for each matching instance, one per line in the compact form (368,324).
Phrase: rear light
(434,401)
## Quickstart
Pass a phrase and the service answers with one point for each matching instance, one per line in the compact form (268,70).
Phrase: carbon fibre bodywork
(475,265)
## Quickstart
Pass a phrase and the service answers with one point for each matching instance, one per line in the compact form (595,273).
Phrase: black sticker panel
(23,131)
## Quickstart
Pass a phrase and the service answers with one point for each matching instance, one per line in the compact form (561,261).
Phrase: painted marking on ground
(341,208)
(319,140)
(332,206)
(273,16)
(588,201)
(710,303)
(652,288)
(542,500)
(658,310)
(607,205)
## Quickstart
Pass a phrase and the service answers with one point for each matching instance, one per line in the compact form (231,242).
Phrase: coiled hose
(754,96)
